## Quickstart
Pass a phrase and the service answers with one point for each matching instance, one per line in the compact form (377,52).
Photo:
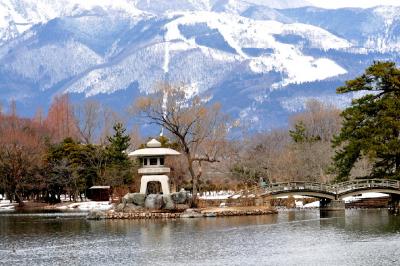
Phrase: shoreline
(190,213)
(105,210)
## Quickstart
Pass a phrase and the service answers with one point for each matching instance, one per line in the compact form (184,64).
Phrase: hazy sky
(353,3)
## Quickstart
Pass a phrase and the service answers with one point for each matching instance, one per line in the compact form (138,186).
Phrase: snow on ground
(87,206)
(365,196)
(17,16)
(240,32)
(314,204)
(354,3)
(216,195)
(6,205)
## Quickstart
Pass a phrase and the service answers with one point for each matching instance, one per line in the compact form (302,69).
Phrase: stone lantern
(152,169)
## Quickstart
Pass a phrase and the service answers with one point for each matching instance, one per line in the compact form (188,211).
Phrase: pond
(298,237)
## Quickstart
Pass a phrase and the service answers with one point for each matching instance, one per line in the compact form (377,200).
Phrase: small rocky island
(166,205)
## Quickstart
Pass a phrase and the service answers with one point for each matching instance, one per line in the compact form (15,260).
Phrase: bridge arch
(355,192)
(355,187)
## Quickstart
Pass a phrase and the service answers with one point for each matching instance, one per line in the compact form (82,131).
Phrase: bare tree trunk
(194,181)
(18,199)
(397,163)
(9,196)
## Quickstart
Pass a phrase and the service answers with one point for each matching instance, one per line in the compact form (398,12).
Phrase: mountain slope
(262,63)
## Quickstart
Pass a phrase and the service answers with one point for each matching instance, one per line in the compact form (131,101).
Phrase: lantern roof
(153,148)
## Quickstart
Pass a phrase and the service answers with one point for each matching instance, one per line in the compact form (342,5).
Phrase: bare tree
(88,116)
(304,154)
(61,120)
(263,155)
(22,146)
(312,133)
(109,119)
(198,128)
(320,120)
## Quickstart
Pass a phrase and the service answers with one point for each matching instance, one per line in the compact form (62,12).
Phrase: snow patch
(6,205)
(18,16)
(240,32)
(369,195)
(88,206)
(298,104)
(166,58)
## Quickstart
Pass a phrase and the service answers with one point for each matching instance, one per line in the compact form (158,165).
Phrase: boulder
(120,207)
(168,202)
(134,198)
(180,197)
(154,201)
(130,207)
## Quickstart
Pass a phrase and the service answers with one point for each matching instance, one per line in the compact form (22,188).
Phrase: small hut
(99,193)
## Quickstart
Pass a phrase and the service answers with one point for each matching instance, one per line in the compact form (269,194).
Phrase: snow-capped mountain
(263,59)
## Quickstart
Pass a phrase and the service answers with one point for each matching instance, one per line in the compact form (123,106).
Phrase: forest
(75,146)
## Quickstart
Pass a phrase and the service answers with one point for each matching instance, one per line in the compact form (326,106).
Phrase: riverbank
(190,213)
(30,206)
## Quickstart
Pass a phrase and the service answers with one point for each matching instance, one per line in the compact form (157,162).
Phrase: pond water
(351,237)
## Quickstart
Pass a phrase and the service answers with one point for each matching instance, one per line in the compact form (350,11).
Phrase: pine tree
(120,168)
(300,134)
(371,125)
(119,143)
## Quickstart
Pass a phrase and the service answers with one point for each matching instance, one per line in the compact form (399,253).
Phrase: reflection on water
(351,237)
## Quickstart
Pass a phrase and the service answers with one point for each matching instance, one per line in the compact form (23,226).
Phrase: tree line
(42,158)
(75,147)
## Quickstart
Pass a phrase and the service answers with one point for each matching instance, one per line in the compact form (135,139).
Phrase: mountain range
(262,59)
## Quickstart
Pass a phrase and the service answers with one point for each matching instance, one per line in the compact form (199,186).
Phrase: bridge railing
(337,189)
(299,185)
(365,184)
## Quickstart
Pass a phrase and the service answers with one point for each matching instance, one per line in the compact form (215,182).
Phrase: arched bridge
(332,192)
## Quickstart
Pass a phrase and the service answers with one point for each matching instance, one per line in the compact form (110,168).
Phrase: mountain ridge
(256,61)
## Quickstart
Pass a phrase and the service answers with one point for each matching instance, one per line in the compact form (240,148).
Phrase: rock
(210,214)
(135,198)
(168,202)
(180,197)
(181,207)
(191,215)
(191,211)
(96,215)
(120,207)
(130,207)
(154,201)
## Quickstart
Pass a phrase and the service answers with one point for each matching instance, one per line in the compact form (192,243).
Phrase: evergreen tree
(69,169)
(371,125)
(120,168)
(118,144)
(300,134)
